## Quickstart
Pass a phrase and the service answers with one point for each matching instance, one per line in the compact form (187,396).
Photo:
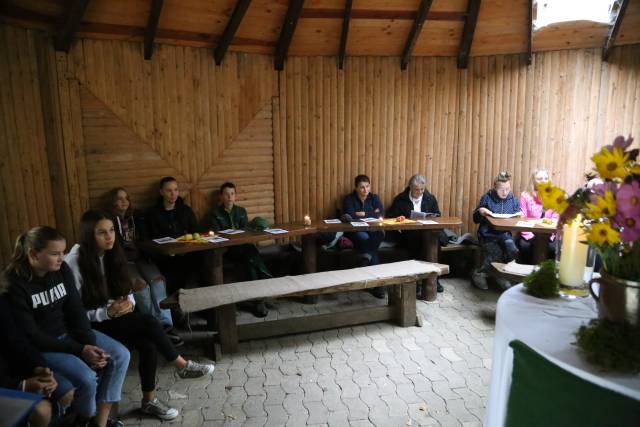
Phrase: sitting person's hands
(94,356)
(120,307)
(42,382)
(139,284)
(484,211)
(360,214)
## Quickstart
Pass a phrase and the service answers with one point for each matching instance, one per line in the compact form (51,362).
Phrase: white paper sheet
(231,231)
(499,215)
(525,224)
(370,219)
(359,224)
(163,240)
(426,221)
(215,239)
(275,231)
(332,221)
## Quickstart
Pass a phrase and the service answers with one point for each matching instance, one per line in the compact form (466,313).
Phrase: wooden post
(430,254)
(406,307)
(225,316)
(310,260)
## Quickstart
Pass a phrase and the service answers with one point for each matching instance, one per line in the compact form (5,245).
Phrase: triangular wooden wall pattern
(116,156)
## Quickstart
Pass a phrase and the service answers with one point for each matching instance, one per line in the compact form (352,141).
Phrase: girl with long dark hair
(45,303)
(100,267)
(148,281)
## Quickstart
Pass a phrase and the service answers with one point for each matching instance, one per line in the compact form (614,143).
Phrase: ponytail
(37,238)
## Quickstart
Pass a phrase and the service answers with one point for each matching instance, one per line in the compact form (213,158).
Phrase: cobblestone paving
(370,375)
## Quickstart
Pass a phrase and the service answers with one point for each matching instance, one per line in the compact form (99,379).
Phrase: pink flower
(630,228)
(628,200)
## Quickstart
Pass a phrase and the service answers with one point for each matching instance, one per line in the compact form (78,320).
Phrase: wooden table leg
(406,305)
(225,316)
(539,250)
(310,261)
(430,253)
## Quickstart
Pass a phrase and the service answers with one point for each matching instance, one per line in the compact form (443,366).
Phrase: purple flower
(601,189)
(620,142)
(628,200)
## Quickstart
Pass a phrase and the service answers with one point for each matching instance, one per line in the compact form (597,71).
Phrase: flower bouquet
(607,209)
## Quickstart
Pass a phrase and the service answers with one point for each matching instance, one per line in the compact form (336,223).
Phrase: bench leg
(227,328)
(430,249)
(407,305)
(310,260)
(430,288)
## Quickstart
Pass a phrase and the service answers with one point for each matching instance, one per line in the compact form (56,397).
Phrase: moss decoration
(611,346)
(543,283)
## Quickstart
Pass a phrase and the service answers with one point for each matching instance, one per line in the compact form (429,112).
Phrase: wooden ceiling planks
(377,28)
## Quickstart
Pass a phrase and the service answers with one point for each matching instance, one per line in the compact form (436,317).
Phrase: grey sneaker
(479,280)
(503,284)
(196,370)
(159,409)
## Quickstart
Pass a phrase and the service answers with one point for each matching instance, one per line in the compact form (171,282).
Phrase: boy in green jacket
(227,215)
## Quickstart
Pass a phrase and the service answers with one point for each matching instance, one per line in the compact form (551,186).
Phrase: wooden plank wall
(459,128)
(25,189)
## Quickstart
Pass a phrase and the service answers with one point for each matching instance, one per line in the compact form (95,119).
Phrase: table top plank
(510,224)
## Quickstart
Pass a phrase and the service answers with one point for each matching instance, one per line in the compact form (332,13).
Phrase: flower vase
(617,299)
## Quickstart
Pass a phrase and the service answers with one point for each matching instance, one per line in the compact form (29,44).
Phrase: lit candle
(381,219)
(211,233)
(573,255)
(307,220)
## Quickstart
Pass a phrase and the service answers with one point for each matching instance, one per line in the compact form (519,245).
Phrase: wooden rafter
(467,35)
(69,23)
(613,31)
(418,23)
(530,33)
(230,30)
(286,34)
(345,32)
(152,27)
(403,15)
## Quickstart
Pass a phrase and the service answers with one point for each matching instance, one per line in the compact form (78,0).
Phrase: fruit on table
(401,218)
(185,238)
(196,236)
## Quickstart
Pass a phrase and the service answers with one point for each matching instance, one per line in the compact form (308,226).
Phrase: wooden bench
(399,277)
(476,253)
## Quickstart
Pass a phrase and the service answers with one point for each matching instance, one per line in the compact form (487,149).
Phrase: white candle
(307,220)
(573,255)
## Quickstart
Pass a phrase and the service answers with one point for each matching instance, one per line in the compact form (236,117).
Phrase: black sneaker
(174,338)
(260,310)
(378,292)
(439,287)
(114,423)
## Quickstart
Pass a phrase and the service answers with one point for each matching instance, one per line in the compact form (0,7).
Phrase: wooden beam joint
(230,30)
(286,34)
(613,31)
(345,31)
(418,23)
(152,27)
(473,9)
(69,24)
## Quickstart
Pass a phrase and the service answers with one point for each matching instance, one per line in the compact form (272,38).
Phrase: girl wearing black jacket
(100,268)
(45,303)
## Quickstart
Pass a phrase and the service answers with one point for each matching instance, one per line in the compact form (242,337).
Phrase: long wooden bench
(399,277)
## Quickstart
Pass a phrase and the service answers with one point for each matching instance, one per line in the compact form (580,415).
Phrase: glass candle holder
(574,260)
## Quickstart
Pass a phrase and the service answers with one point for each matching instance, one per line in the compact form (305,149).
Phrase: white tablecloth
(547,326)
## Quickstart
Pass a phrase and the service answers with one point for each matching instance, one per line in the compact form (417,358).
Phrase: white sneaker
(196,370)
(159,409)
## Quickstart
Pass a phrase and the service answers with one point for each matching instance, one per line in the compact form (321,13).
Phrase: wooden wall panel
(459,128)
(25,188)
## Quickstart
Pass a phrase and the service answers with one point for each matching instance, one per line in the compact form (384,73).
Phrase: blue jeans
(91,386)
(148,299)
(367,242)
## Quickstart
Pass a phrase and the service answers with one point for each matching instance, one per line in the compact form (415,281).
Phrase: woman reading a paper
(414,202)
(498,246)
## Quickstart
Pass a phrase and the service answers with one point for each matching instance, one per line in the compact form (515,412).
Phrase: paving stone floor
(371,375)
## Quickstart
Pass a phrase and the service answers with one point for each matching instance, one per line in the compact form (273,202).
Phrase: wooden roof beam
(345,32)
(286,34)
(613,31)
(530,33)
(418,23)
(230,30)
(152,27)
(467,35)
(69,23)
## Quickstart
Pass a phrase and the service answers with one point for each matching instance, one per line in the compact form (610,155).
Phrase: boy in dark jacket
(498,246)
(172,217)
(227,215)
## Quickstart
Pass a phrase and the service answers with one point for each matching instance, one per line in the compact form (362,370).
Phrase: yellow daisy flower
(603,234)
(611,164)
(604,207)
(552,197)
